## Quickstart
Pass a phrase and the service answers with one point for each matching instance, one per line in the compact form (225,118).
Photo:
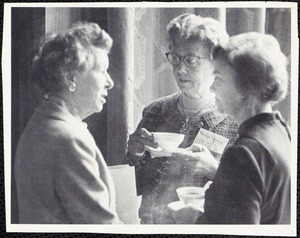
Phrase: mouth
(102,98)
(184,81)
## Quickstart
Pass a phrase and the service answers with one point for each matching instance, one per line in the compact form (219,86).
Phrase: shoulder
(161,104)
(155,114)
(222,124)
(64,136)
(217,119)
(241,158)
(76,138)
(250,156)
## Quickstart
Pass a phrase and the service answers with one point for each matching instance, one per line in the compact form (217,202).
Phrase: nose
(109,82)
(181,68)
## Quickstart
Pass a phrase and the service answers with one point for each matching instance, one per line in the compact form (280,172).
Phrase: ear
(70,78)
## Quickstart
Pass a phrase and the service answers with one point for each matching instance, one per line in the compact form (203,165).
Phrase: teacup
(168,141)
(193,195)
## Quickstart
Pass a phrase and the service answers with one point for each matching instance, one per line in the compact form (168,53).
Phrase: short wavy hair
(190,27)
(260,65)
(64,54)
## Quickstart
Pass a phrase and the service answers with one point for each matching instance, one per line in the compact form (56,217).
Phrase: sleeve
(146,173)
(84,196)
(235,197)
(228,129)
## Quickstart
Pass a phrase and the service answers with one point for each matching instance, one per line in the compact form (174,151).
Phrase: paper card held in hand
(212,141)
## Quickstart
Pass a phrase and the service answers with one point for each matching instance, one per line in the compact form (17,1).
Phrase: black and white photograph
(151,118)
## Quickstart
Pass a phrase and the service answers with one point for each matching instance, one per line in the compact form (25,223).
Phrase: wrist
(134,160)
(212,173)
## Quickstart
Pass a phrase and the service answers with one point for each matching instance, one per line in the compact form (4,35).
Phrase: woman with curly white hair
(61,175)
(190,39)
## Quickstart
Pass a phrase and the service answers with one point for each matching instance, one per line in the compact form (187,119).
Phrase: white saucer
(159,152)
(175,206)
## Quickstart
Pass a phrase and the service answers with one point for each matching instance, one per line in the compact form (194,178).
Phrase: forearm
(133,160)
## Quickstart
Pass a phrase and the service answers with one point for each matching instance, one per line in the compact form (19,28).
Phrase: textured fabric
(61,176)
(252,184)
(154,182)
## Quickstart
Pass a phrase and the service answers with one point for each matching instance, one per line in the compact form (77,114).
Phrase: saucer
(175,206)
(159,152)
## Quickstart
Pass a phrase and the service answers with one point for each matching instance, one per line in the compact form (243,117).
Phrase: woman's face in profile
(193,81)
(228,99)
(93,84)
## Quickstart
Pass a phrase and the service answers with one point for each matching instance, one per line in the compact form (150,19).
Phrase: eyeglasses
(189,60)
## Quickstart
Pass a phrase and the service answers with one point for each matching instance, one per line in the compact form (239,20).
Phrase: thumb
(198,148)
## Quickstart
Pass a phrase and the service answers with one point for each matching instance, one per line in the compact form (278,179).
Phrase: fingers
(142,137)
(198,148)
(207,185)
(135,146)
(178,154)
(144,133)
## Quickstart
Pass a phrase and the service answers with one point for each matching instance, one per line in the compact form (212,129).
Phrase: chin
(186,90)
(100,108)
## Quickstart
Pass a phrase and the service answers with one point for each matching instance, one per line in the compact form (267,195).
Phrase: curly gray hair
(189,27)
(64,54)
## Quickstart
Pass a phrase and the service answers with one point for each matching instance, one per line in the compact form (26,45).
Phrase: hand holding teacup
(137,142)
(193,204)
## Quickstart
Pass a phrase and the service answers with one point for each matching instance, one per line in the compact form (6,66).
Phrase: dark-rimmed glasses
(190,61)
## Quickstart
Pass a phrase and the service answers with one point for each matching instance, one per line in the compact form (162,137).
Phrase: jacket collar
(262,117)
(57,108)
(169,109)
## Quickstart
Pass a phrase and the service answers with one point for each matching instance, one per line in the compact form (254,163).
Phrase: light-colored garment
(60,173)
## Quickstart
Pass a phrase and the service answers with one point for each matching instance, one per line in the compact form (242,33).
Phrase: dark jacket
(253,182)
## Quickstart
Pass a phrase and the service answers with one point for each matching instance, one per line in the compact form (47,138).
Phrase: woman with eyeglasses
(188,111)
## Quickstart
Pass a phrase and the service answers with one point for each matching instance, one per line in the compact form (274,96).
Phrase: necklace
(185,125)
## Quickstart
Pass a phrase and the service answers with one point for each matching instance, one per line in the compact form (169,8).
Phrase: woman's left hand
(200,160)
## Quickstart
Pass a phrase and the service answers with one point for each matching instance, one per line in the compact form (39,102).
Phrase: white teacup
(168,141)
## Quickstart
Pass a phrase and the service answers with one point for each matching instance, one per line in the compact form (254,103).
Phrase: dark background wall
(28,25)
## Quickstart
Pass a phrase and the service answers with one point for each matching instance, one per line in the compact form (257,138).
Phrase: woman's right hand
(200,160)
(137,142)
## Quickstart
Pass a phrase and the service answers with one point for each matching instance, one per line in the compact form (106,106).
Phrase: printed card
(212,141)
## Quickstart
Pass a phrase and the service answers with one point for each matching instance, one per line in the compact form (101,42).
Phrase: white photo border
(261,230)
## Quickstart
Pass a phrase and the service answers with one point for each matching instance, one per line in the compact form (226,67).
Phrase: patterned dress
(154,182)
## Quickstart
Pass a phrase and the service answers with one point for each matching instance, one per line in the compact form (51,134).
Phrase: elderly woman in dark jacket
(190,39)
(61,175)
(252,184)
